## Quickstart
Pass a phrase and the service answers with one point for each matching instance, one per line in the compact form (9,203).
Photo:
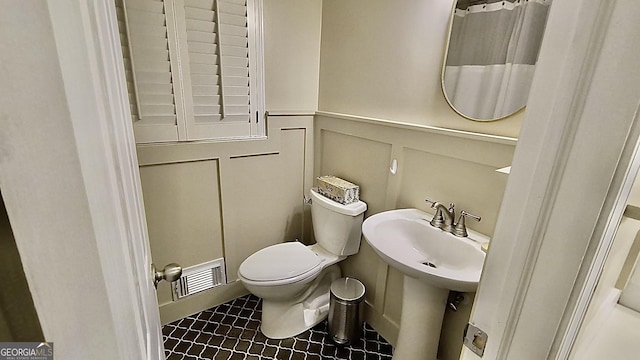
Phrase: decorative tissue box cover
(337,189)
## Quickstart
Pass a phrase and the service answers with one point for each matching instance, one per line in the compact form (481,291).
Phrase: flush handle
(170,273)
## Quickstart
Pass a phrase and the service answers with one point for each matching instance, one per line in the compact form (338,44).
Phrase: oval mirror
(491,55)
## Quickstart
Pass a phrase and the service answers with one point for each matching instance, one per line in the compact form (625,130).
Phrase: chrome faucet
(445,217)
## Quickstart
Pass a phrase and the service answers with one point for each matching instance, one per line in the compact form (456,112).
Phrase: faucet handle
(452,206)
(460,228)
(433,203)
(474,217)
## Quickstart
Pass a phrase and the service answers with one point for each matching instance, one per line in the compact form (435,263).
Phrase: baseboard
(588,331)
(196,303)
(631,296)
(384,326)
(193,304)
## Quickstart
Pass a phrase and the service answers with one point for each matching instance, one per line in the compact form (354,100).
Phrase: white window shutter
(216,74)
(192,68)
(150,77)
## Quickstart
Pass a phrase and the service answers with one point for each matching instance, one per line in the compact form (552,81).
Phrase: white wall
(606,294)
(616,272)
(383,59)
(292,54)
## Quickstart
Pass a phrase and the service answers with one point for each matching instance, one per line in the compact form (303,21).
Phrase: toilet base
(285,319)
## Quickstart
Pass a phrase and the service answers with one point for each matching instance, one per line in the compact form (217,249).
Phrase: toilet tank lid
(279,262)
(353,209)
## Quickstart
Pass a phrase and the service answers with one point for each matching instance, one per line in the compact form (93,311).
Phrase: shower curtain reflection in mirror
(493,49)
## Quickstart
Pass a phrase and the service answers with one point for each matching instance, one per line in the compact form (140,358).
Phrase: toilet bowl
(292,279)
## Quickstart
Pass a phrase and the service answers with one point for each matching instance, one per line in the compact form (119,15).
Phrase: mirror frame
(444,64)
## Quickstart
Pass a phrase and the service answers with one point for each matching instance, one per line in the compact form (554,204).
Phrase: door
(70,182)
(572,171)
(95,31)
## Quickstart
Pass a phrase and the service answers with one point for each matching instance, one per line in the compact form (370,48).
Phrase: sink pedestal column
(420,321)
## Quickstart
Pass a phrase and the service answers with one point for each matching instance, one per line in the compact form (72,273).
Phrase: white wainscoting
(440,164)
(210,199)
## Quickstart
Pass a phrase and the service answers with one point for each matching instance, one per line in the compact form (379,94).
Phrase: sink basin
(433,263)
(406,241)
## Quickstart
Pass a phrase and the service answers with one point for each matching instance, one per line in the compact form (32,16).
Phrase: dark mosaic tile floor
(232,331)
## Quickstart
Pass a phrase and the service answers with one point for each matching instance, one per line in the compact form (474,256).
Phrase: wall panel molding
(253,200)
(445,165)
(423,128)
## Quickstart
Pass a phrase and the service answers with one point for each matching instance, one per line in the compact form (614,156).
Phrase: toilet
(292,279)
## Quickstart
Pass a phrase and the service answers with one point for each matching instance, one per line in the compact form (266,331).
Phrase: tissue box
(337,189)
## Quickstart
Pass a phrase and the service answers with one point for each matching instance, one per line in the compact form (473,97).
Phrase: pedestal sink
(433,262)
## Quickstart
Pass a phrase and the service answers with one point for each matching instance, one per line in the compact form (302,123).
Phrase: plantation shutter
(144,31)
(207,93)
(218,68)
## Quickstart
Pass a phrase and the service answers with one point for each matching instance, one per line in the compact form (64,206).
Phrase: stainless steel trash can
(345,312)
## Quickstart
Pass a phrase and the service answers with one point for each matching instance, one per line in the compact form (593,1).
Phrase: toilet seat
(281,264)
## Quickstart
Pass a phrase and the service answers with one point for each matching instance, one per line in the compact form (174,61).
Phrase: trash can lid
(348,289)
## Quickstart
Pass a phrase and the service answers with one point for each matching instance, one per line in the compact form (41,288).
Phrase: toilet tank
(337,227)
